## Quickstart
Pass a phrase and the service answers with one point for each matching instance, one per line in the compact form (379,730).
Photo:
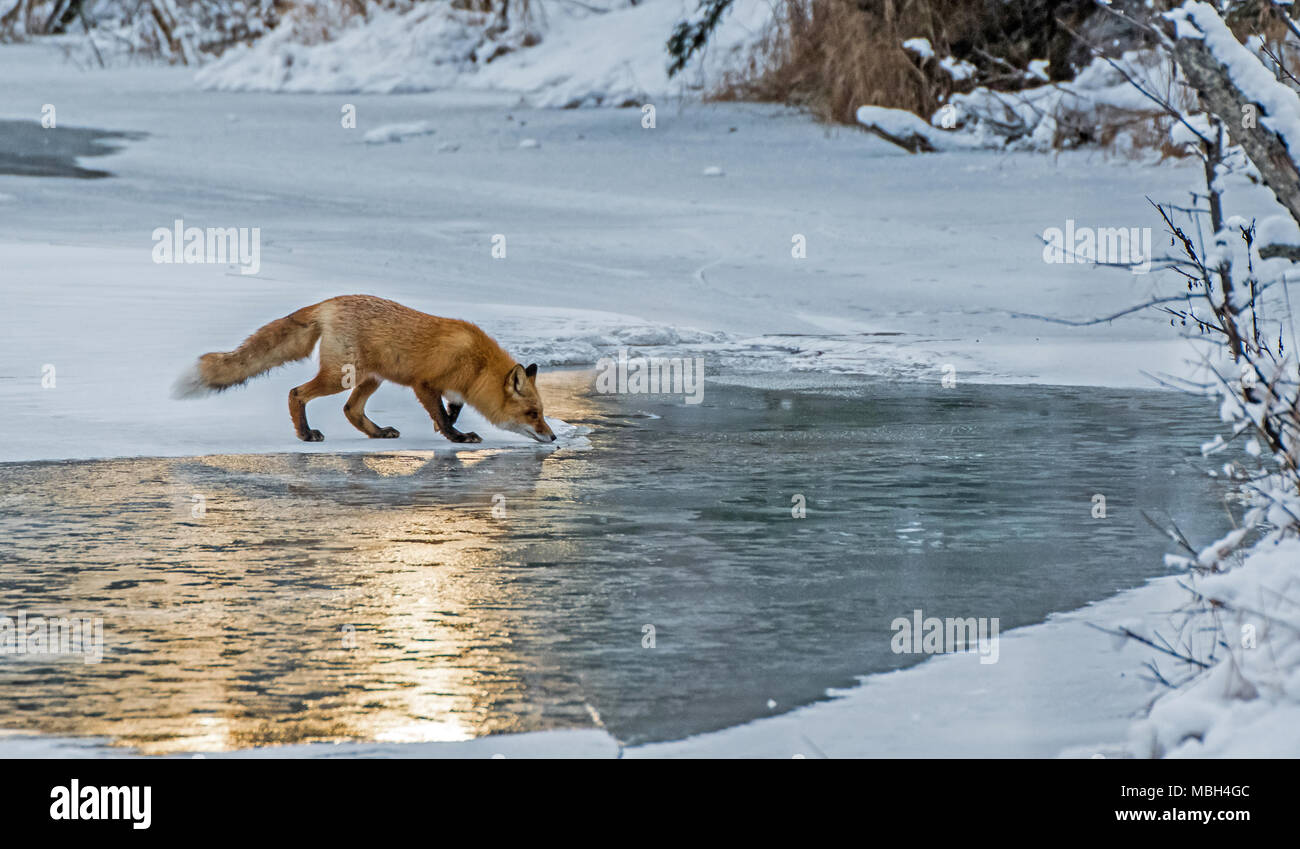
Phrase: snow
(428,47)
(585,57)
(1248,704)
(618,58)
(614,238)
(1277,230)
(903,124)
(1098,90)
(958,69)
(1281,107)
(920,46)
(397,132)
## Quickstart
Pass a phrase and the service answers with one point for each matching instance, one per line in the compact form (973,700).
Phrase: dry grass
(832,56)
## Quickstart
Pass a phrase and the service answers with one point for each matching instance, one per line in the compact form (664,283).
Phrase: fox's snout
(541,434)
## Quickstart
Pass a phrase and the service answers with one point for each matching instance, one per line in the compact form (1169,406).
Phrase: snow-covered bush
(194,31)
(330,49)
(1104,106)
(1242,694)
(176,30)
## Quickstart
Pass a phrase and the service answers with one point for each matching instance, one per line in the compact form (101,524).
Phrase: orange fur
(371,340)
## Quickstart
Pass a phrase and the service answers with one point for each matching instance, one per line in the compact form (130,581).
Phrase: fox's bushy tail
(283,340)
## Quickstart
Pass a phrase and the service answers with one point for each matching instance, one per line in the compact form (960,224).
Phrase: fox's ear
(517,380)
(531,371)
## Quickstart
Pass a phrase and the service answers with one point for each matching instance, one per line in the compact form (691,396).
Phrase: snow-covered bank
(1248,704)
(599,54)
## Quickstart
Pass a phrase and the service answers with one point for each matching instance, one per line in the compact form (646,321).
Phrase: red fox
(366,340)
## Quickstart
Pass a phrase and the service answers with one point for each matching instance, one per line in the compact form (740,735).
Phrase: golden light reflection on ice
(253,600)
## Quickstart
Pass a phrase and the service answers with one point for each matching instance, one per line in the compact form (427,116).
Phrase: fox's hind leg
(432,401)
(355,410)
(327,382)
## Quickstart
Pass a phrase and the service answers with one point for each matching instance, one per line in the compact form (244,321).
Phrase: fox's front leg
(442,422)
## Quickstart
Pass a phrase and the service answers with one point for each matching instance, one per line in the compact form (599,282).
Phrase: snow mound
(425,48)
(568,56)
(396,132)
(619,58)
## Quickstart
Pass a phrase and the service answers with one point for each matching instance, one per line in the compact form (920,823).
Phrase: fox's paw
(387,433)
(312,436)
(467,437)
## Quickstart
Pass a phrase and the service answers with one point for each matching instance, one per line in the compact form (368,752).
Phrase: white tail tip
(190,384)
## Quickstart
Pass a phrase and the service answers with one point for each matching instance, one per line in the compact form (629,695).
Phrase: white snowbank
(586,57)
(425,48)
(1248,704)
(619,58)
